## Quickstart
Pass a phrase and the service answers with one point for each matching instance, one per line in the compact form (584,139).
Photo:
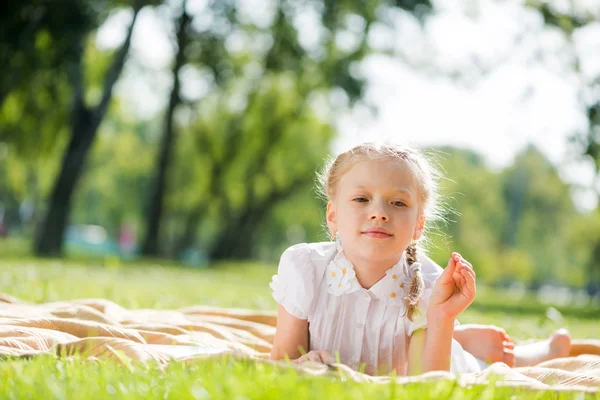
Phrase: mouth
(378,233)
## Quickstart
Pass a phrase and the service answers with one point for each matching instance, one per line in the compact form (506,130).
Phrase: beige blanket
(99,328)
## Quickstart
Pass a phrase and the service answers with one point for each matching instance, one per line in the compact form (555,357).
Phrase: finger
(468,272)
(449,270)
(457,275)
(326,357)
(467,266)
(299,360)
(464,267)
(310,356)
(315,356)
(458,280)
(466,262)
(469,280)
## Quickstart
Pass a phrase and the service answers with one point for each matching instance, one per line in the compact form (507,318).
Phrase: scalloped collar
(391,289)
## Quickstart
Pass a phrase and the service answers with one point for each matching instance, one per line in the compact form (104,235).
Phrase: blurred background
(192,130)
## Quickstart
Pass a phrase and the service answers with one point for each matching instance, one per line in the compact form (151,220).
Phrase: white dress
(366,328)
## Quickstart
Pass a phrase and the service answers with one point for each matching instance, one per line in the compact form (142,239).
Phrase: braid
(417,285)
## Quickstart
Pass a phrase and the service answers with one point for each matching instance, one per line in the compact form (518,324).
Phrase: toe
(509,358)
(508,345)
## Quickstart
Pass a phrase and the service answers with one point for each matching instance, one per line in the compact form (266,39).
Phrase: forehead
(389,173)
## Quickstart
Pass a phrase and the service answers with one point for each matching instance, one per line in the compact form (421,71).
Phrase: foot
(556,346)
(487,342)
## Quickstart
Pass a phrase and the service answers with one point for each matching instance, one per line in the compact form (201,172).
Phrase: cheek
(349,218)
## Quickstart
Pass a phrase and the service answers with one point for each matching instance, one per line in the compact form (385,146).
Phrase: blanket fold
(101,329)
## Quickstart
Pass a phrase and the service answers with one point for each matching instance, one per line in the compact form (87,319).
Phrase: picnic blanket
(101,329)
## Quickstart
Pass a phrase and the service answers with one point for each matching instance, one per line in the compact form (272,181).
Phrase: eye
(399,203)
(360,199)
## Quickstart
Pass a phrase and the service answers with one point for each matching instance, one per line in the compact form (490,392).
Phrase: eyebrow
(401,189)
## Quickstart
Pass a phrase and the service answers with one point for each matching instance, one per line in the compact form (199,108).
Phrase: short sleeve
(294,285)
(419,317)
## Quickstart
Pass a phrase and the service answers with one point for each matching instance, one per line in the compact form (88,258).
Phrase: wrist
(437,317)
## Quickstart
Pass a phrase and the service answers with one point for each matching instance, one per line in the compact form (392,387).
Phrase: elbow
(274,354)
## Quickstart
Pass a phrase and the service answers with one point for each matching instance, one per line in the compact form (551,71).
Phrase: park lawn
(160,285)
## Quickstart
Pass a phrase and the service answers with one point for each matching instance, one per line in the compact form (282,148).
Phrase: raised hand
(454,290)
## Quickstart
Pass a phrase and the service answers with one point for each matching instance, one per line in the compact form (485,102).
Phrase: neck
(369,272)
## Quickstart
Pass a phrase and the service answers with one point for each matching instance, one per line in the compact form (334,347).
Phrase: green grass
(164,285)
(47,378)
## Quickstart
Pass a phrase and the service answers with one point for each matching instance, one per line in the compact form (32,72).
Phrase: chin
(377,254)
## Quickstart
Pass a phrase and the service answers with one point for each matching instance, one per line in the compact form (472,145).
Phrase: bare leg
(585,346)
(491,344)
(487,342)
(556,346)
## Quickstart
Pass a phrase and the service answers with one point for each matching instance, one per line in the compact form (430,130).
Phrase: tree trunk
(155,209)
(49,241)
(84,126)
(188,237)
(238,239)
(237,242)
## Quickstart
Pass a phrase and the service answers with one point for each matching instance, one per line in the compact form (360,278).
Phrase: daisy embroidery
(340,276)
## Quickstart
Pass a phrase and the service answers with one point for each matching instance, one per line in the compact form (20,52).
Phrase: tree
(83,126)
(540,207)
(36,36)
(155,210)
(571,23)
(475,212)
(36,47)
(319,69)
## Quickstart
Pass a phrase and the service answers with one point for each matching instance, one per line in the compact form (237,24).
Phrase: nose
(379,213)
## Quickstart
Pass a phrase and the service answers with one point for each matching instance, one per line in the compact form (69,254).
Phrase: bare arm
(438,345)
(291,336)
(430,349)
(415,352)
(453,292)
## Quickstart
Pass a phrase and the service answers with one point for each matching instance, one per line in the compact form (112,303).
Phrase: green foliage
(476,212)
(569,21)
(118,175)
(33,118)
(247,150)
(234,160)
(539,207)
(518,224)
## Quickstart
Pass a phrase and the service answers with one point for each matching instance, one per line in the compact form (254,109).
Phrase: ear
(331,217)
(419,228)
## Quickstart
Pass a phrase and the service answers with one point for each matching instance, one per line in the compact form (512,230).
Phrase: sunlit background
(222,111)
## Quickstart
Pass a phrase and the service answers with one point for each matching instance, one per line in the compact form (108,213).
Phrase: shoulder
(301,255)
(300,273)
(305,263)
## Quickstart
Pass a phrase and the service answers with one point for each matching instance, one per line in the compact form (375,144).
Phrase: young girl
(372,297)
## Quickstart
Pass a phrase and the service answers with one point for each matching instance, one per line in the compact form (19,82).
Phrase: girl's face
(376,212)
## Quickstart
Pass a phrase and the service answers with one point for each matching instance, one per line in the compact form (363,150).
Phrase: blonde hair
(426,175)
